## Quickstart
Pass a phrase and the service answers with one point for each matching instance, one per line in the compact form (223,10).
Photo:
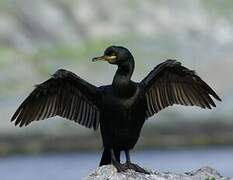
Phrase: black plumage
(120,109)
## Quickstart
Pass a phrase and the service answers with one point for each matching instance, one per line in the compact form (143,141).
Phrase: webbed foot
(135,167)
(120,167)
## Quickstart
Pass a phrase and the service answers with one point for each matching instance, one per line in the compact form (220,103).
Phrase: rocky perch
(110,173)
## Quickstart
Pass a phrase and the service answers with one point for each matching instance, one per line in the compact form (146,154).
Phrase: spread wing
(64,94)
(171,83)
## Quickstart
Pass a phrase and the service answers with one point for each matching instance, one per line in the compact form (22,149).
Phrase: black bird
(120,109)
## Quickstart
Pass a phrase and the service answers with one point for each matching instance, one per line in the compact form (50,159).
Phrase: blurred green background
(38,37)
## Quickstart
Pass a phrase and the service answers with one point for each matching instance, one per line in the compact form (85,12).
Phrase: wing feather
(171,83)
(64,94)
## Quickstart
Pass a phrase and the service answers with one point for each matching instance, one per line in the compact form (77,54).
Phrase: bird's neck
(122,83)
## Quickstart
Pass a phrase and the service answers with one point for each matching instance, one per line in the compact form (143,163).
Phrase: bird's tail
(106,157)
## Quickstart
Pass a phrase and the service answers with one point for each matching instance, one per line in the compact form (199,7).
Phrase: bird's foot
(135,167)
(120,167)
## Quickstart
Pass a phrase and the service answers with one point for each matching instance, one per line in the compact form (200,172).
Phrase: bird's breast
(122,119)
(113,100)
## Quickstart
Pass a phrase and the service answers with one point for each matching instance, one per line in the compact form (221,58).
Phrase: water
(73,166)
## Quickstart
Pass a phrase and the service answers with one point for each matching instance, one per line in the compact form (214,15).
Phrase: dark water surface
(73,166)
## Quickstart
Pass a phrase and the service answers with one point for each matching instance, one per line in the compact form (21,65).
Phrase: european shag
(119,109)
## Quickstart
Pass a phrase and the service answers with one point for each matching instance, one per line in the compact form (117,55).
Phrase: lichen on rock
(110,173)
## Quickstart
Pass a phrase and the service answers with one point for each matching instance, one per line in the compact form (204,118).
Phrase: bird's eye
(113,54)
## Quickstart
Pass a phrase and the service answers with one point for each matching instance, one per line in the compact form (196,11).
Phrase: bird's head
(115,55)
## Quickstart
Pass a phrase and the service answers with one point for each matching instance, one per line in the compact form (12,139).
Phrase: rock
(110,173)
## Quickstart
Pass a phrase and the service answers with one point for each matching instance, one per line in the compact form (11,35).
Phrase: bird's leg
(135,167)
(120,167)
